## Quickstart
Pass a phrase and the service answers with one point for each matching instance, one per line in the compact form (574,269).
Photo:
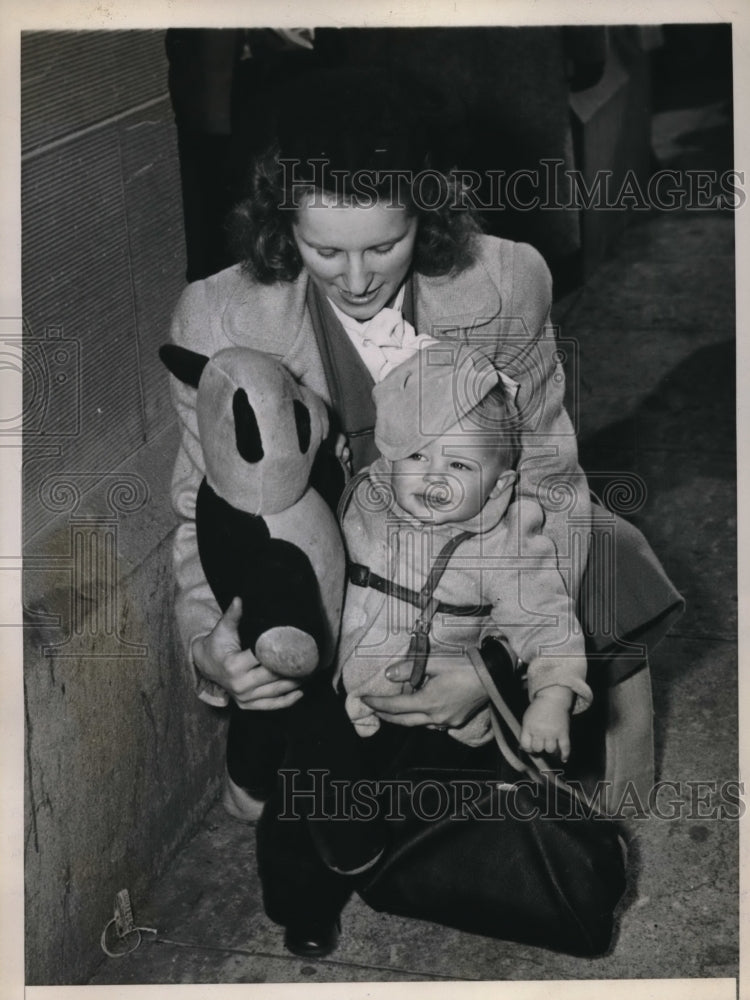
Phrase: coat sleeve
(196,609)
(531,607)
(549,473)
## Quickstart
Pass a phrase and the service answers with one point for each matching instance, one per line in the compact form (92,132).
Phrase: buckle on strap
(421,626)
(359,575)
(423,622)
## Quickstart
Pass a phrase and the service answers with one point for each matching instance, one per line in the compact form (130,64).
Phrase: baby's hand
(546,722)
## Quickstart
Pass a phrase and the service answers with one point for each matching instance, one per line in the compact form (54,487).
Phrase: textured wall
(121,758)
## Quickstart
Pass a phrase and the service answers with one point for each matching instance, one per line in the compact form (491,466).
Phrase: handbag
(528,861)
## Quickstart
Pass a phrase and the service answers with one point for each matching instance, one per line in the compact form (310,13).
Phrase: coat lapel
(453,305)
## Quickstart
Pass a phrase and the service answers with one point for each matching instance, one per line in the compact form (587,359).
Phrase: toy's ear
(302,420)
(246,430)
(184,364)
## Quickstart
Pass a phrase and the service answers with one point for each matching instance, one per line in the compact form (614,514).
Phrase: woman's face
(357,255)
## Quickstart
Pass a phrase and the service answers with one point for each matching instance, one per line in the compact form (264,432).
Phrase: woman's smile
(358,300)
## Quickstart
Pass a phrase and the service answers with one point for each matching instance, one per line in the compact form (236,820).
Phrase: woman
(344,224)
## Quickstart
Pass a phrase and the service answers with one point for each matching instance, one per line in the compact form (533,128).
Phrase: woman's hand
(451,695)
(342,452)
(220,659)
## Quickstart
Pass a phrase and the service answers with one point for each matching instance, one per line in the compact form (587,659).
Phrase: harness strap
(428,605)
(439,566)
(419,646)
(362,576)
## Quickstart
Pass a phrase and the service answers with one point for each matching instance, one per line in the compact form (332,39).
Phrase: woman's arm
(218,667)
(530,353)
(196,609)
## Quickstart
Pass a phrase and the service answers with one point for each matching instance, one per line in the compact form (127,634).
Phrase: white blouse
(385,340)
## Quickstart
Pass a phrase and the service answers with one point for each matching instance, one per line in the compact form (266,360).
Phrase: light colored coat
(501,302)
(506,563)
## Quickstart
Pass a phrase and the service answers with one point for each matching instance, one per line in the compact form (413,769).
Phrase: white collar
(354,326)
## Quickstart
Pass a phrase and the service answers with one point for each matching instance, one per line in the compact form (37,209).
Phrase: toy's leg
(283,620)
(256,744)
(324,762)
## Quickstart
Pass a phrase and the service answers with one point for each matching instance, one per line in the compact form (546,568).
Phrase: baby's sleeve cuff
(563,671)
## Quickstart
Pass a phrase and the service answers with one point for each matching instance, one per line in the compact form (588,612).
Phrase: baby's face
(450,479)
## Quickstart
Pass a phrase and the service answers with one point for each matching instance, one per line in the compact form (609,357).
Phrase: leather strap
(419,646)
(362,576)
(533,766)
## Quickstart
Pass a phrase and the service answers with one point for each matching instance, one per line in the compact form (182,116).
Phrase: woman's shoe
(312,938)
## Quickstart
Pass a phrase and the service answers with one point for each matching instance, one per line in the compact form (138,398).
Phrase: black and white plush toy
(263,533)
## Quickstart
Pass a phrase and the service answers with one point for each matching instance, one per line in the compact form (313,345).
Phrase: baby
(446,430)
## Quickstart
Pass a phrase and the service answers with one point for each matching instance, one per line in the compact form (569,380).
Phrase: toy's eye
(246,430)
(302,420)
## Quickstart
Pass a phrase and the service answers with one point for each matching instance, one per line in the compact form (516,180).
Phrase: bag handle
(535,767)
(501,708)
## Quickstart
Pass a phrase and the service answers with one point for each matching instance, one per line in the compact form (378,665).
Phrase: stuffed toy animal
(264,534)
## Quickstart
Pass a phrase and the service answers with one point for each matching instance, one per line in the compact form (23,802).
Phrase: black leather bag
(527,861)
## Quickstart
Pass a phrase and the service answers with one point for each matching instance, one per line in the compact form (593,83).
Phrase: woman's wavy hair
(260,226)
